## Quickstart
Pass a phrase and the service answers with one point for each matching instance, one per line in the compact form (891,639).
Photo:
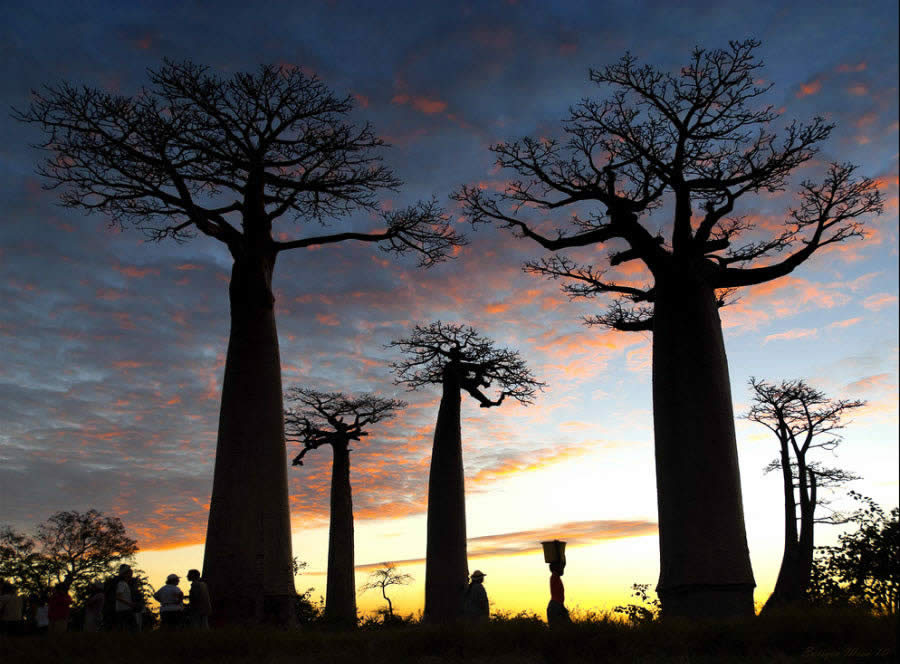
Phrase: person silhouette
(476,607)
(557,614)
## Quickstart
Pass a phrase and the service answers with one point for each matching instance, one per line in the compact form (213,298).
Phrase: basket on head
(554,551)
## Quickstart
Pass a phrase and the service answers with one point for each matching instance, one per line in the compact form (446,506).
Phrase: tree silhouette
(383,578)
(331,418)
(803,419)
(72,547)
(457,358)
(697,140)
(228,158)
(864,569)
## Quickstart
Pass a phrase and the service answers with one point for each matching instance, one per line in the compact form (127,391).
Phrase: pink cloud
(858,90)
(879,301)
(846,67)
(422,104)
(872,383)
(790,334)
(327,319)
(844,323)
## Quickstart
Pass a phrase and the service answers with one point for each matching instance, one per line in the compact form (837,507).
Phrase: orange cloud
(810,88)
(859,89)
(327,319)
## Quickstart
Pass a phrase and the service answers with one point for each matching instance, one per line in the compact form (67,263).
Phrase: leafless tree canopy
(804,419)
(193,150)
(431,348)
(328,418)
(704,136)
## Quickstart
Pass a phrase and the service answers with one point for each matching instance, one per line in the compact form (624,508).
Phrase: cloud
(844,323)
(790,334)
(574,533)
(879,301)
(422,104)
(874,383)
(811,88)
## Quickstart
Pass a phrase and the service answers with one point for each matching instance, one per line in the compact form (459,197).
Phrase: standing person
(171,603)
(41,614)
(557,613)
(93,607)
(58,609)
(124,604)
(476,607)
(201,607)
(10,610)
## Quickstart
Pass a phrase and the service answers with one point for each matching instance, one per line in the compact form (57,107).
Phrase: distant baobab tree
(331,418)
(698,139)
(381,579)
(229,158)
(457,358)
(803,419)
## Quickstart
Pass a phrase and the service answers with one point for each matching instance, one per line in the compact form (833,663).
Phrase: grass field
(797,637)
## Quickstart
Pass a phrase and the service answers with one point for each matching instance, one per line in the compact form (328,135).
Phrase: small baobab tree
(804,421)
(458,359)
(314,419)
(381,579)
(690,144)
(236,160)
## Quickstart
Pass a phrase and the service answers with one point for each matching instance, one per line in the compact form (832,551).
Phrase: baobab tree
(229,158)
(331,418)
(458,359)
(381,579)
(803,420)
(688,144)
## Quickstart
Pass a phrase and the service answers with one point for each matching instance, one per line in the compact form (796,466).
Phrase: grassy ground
(799,637)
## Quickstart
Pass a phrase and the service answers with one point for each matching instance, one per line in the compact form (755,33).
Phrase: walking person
(171,603)
(58,609)
(476,607)
(557,613)
(200,606)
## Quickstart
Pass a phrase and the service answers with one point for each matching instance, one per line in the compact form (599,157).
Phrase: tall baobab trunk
(446,565)
(704,560)
(340,595)
(784,592)
(247,561)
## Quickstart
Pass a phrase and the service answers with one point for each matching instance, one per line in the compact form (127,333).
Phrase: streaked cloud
(575,533)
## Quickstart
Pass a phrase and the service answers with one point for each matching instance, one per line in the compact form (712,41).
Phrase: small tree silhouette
(458,359)
(700,138)
(803,419)
(331,418)
(382,578)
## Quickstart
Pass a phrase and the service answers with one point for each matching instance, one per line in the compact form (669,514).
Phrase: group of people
(115,605)
(476,607)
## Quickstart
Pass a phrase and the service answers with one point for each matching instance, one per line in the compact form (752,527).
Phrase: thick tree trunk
(446,565)
(247,561)
(704,561)
(340,596)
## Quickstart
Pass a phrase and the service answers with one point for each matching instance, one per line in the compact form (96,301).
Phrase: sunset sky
(113,348)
